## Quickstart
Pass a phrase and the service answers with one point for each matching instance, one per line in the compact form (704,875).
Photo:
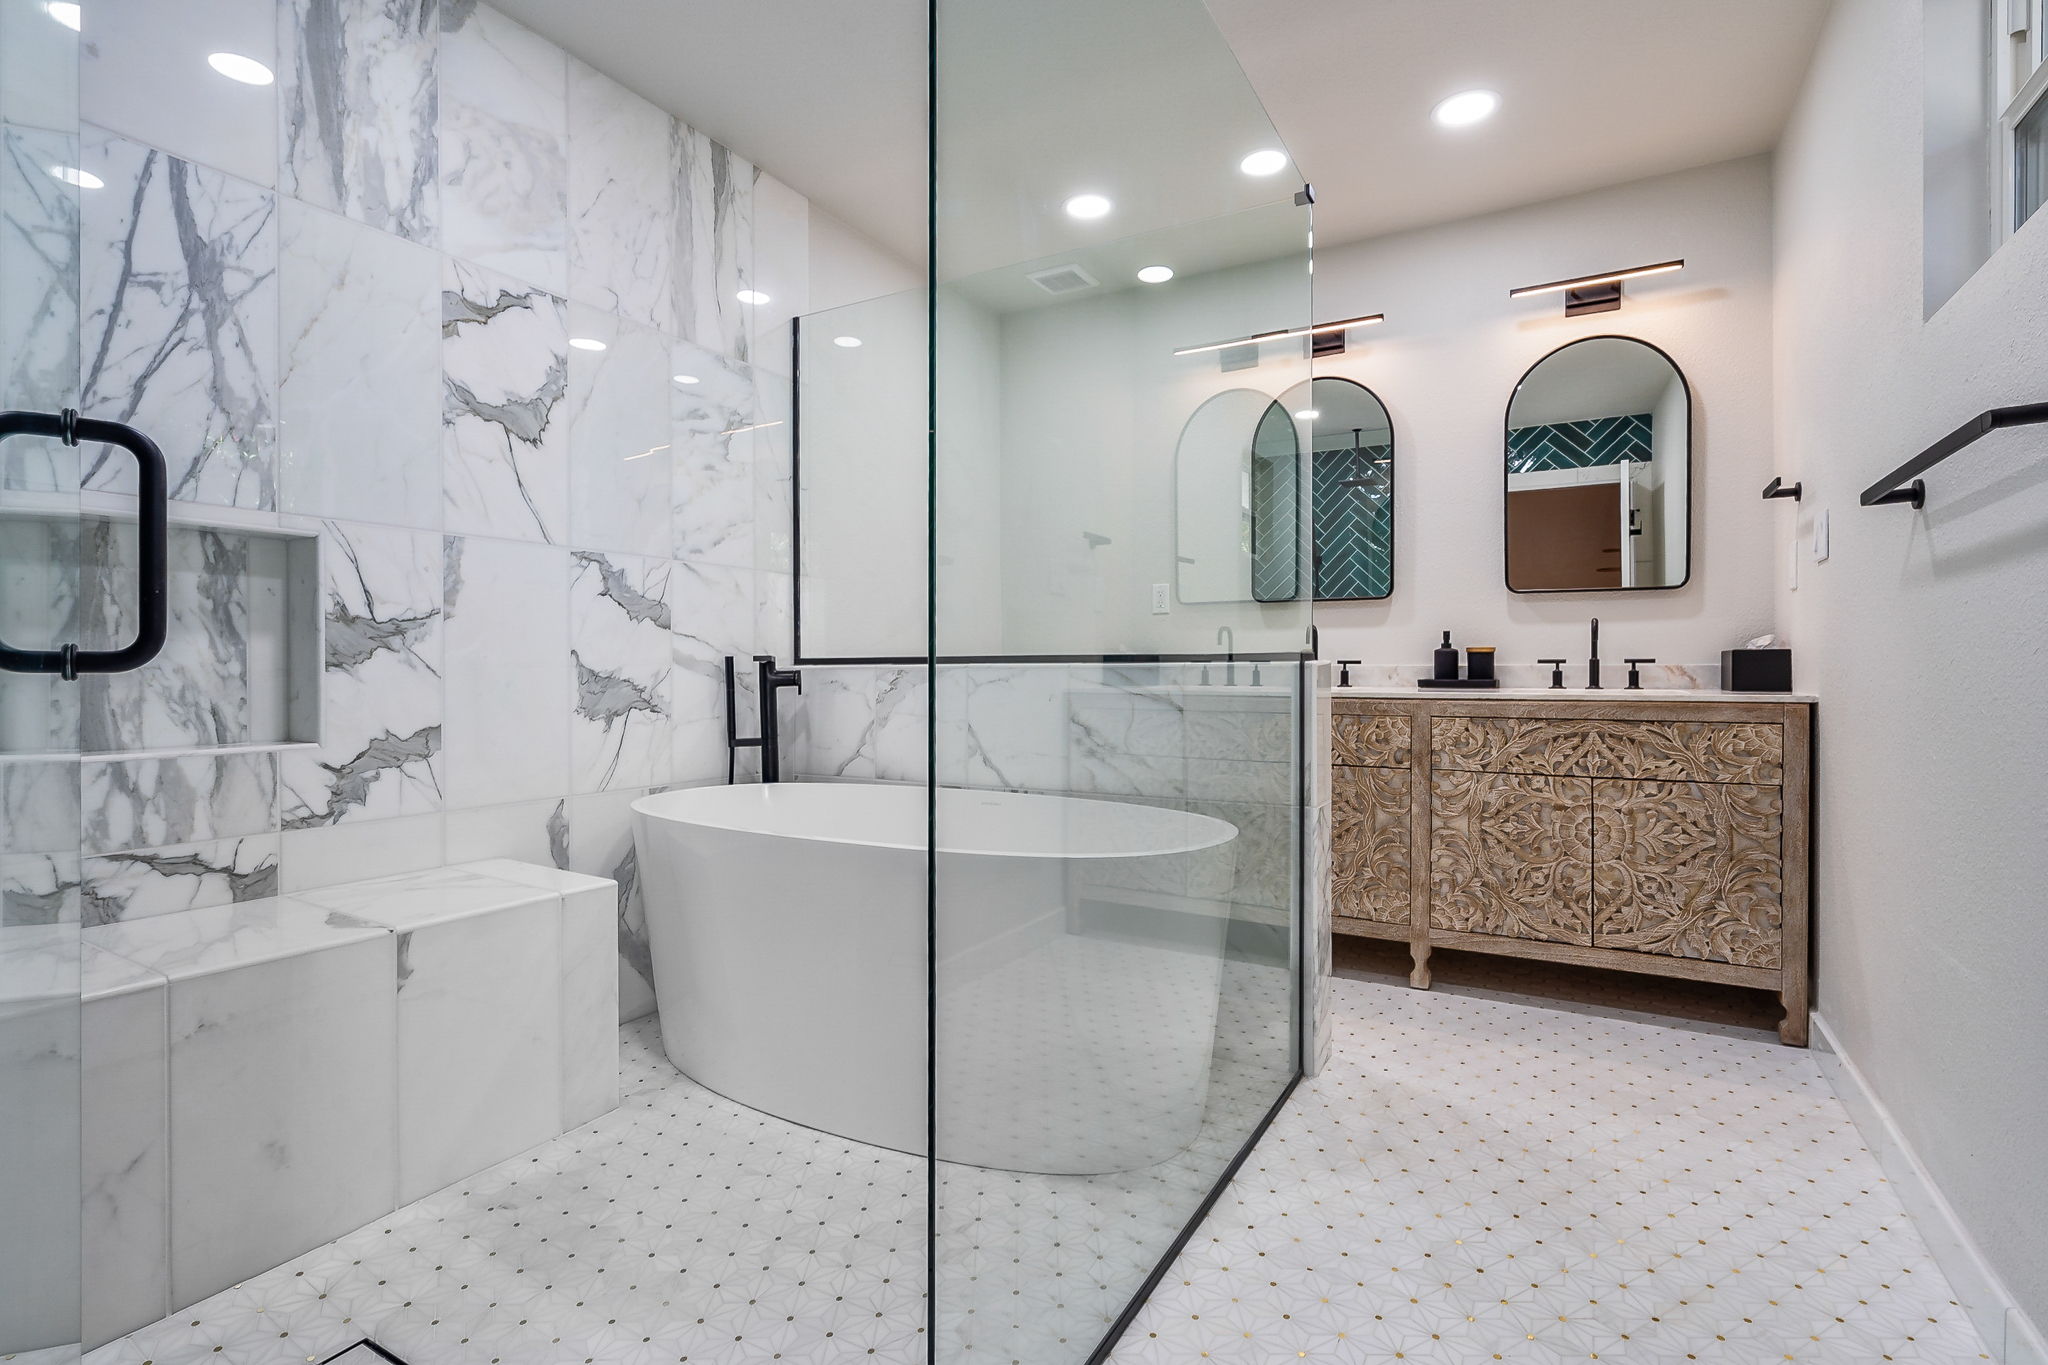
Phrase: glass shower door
(40,553)
(1120,605)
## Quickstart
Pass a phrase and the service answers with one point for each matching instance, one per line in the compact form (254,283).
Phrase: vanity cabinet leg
(1419,977)
(1792,1028)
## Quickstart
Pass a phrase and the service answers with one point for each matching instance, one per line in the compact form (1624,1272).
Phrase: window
(2021,91)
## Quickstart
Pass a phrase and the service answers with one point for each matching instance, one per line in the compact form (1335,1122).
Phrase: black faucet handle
(1344,671)
(1556,672)
(1635,673)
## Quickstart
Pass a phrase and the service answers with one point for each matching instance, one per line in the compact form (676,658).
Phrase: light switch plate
(1161,603)
(1820,536)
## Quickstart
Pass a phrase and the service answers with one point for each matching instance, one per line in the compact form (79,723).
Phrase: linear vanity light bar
(1594,293)
(1613,277)
(1258,338)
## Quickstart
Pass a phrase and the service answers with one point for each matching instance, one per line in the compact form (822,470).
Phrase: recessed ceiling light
(1308,414)
(586,343)
(71,175)
(1088,206)
(1156,274)
(751,296)
(1465,108)
(236,67)
(848,342)
(688,379)
(65,13)
(1267,162)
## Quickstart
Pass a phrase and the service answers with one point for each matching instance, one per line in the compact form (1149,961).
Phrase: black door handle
(152,547)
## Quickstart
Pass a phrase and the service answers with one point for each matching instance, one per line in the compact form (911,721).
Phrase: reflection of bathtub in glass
(1079,955)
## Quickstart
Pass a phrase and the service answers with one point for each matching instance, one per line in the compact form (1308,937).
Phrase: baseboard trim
(2008,1334)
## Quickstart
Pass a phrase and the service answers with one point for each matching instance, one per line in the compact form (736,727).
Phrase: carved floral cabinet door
(1372,865)
(1690,869)
(1511,853)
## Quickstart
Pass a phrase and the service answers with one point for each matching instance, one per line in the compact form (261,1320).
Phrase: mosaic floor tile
(1472,1179)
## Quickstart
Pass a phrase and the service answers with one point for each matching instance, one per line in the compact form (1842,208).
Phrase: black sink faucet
(1593,663)
(1227,637)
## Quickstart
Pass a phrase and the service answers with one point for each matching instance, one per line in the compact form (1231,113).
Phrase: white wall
(1449,355)
(1923,633)
(1094,403)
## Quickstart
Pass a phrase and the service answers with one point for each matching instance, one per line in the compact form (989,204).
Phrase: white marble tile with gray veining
(161,881)
(716,431)
(180,322)
(715,258)
(153,802)
(381,683)
(774,470)
(622,201)
(358,110)
(601,845)
(534,832)
(620,436)
(505,439)
(39,888)
(506,733)
(39,803)
(39,587)
(714,614)
(39,261)
(863,722)
(504,146)
(621,659)
(1006,726)
(196,693)
(360,393)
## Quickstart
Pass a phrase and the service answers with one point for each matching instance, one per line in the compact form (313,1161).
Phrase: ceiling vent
(1063,279)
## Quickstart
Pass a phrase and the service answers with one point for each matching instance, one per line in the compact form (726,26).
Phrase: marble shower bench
(262,1078)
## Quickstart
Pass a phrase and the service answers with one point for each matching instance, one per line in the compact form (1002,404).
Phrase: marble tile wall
(408,1031)
(468,310)
(1154,734)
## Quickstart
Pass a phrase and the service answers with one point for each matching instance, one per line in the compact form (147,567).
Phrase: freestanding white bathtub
(1079,950)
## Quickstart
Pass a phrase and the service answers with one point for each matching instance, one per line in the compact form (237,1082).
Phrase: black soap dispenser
(1446,660)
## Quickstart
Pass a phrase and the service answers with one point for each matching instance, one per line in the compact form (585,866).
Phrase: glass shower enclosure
(40,582)
(1053,544)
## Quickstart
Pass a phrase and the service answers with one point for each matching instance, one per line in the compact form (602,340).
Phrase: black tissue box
(1756,670)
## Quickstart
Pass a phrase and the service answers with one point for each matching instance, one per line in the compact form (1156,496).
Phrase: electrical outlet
(1161,603)
(1820,536)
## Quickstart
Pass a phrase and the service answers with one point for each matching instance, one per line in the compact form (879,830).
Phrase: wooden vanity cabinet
(1667,837)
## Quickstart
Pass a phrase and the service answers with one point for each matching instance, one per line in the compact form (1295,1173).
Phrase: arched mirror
(1599,470)
(1237,502)
(1352,440)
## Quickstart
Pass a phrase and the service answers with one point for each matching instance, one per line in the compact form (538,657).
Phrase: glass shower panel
(1120,594)
(40,550)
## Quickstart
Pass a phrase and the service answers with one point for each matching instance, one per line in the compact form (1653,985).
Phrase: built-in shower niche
(241,664)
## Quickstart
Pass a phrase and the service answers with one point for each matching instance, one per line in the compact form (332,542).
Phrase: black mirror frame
(1690,465)
(1393,513)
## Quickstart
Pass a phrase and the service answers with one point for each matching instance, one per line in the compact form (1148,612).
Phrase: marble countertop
(1606,694)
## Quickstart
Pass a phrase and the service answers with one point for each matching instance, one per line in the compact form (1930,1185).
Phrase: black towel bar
(1895,488)
(1778,488)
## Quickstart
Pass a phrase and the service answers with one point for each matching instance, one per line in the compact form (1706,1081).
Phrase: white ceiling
(830,95)
(1593,93)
